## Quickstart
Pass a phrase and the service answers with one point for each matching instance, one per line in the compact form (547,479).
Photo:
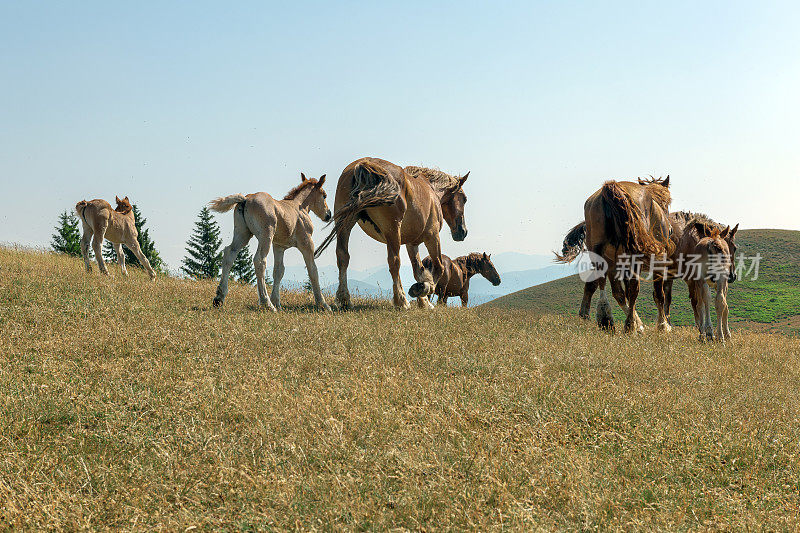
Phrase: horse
(118,225)
(457,272)
(621,218)
(281,224)
(689,230)
(397,206)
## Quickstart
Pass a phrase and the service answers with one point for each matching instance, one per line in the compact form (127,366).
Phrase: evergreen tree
(67,238)
(242,269)
(109,253)
(203,256)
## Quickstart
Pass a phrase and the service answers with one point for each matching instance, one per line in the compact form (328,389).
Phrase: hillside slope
(132,405)
(770,303)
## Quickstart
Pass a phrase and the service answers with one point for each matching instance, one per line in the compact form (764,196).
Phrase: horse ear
(640,180)
(321,181)
(666,182)
(725,232)
(118,200)
(126,199)
(485,256)
(303,177)
(734,230)
(463,179)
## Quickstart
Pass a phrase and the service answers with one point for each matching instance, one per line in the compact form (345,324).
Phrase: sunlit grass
(136,405)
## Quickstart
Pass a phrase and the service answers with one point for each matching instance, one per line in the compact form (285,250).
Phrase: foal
(457,272)
(281,224)
(117,225)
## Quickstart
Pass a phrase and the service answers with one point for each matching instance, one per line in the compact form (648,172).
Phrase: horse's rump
(625,224)
(372,186)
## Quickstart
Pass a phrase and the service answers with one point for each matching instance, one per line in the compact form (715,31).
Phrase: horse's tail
(574,244)
(80,207)
(372,187)
(223,204)
(625,224)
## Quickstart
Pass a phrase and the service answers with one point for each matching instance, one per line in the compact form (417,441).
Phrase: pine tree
(204,258)
(242,269)
(109,253)
(67,238)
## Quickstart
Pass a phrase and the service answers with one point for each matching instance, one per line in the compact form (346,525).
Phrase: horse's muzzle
(460,234)
(328,216)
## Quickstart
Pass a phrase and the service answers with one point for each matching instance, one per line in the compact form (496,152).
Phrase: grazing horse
(457,272)
(281,224)
(117,225)
(397,206)
(687,260)
(622,218)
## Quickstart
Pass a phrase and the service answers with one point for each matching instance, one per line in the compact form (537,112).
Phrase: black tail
(372,187)
(574,244)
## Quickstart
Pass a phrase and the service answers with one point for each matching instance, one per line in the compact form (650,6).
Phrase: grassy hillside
(770,303)
(133,405)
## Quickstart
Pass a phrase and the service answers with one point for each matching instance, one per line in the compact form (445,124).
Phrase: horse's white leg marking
(121,258)
(416,265)
(277,274)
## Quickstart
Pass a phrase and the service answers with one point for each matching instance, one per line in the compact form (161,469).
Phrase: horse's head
(316,198)
(453,202)
(488,271)
(124,206)
(730,238)
(714,247)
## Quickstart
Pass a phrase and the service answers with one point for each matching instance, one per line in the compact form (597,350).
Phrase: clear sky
(176,104)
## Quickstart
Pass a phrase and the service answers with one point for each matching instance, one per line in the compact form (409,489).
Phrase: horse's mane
(657,189)
(440,181)
(292,194)
(472,261)
(694,221)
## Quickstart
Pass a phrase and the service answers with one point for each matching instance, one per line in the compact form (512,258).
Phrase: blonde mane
(440,181)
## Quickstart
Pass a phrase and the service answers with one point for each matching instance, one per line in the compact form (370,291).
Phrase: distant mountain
(769,303)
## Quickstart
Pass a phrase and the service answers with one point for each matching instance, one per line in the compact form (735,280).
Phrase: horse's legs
(668,299)
(694,296)
(660,298)
(260,264)
(633,323)
(588,291)
(618,291)
(393,258)
(416,265)
(241,236)
(313,275)
(442,299)
(343,261)
(704,296)
(86,238)
(277,274)
(428,286)
(120,257)
(464,299)
(721,305)
(97,245)
(137,251)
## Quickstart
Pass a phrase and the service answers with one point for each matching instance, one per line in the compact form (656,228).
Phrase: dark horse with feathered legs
(457,272)
(397,206)
(622,218)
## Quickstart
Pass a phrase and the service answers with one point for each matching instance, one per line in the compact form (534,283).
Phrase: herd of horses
(409,206)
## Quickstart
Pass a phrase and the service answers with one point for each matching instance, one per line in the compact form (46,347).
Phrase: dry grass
(127,404)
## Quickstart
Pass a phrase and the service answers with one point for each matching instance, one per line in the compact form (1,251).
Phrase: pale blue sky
(542,101)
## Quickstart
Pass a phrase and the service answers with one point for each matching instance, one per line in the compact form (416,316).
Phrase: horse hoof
(417,290)
(666,328)
(326,308)
(217,302)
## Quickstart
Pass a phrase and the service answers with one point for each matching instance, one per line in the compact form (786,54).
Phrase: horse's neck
(300,202)
(468,270)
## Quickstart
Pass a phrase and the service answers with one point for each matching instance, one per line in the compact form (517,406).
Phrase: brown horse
(688,231)
(117,225)
(621,218)
(457,272)
(397,206)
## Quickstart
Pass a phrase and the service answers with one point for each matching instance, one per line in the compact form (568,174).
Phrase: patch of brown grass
(128,404)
